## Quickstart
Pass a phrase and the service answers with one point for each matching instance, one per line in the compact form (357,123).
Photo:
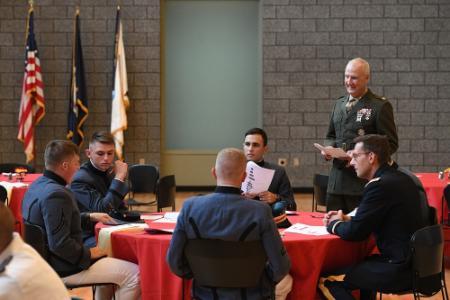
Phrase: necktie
(350,103)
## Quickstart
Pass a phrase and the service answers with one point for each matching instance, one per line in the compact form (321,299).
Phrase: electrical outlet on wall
(282,161)
(296,162)
(142,161)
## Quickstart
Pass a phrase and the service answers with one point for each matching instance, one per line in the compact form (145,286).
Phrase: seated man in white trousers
(51,205)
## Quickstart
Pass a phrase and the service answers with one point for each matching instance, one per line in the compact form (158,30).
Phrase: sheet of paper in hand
(258,179)
(333,152)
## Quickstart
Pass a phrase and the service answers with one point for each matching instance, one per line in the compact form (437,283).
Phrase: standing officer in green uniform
(359,113)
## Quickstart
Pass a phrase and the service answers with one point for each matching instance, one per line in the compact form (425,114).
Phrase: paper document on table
(338,153)
(169,217)
(258,179)
(307,229)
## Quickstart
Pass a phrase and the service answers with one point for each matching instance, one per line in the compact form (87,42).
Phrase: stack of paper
(307,229)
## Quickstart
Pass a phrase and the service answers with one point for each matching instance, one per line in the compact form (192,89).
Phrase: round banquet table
(17,194)
(434,188)
(310,255)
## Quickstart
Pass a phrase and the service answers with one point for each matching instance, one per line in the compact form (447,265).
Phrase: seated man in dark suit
(391,210)
(279,195)
(49,204)
(99,185)
(225,215)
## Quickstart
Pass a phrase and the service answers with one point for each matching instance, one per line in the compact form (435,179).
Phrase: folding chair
(320,183)
(166,192)
(35,236)
(427,246)
(142,179)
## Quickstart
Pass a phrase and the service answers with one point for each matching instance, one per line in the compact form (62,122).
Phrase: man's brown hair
(378,144)
(104,137)
(57,151)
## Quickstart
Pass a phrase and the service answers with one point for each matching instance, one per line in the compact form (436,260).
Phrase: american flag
(32,106)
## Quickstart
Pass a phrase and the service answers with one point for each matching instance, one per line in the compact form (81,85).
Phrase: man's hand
(250,195)
(121,169)
(280,218)
(326,156)
(268,197)
(349,153)
(101,217)
(333,215)
(96,252)
(327,217)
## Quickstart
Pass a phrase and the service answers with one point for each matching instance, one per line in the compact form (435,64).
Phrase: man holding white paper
(358,113)
(279,194)
(227,215)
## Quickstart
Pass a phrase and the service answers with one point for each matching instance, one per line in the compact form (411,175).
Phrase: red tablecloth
(434,187)
(17,194)
(310,255)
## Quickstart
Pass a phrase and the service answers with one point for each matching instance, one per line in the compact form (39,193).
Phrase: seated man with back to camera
(49,204)
(390,208)
(279,195)
(225,215)
(99,185)
(24,274)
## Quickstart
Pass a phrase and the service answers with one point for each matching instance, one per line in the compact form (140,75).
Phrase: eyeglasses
(356,155)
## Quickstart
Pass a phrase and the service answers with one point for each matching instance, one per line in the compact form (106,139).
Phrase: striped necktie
(350,103)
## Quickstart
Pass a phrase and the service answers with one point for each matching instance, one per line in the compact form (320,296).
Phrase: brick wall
(306,44)
(54,33)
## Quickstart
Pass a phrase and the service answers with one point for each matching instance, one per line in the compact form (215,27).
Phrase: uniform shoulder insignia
(381,97)
(373,180)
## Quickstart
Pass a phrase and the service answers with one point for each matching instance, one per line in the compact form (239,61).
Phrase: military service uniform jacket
(390,209)
(372,114)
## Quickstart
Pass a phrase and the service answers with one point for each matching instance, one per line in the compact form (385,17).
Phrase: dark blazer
(49,204)
(390,209)
(226,215)
(280,185)
(97,191)
(372,114)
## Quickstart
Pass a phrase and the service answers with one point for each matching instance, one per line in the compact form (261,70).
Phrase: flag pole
(32,102)
(30,9)
(27,28)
